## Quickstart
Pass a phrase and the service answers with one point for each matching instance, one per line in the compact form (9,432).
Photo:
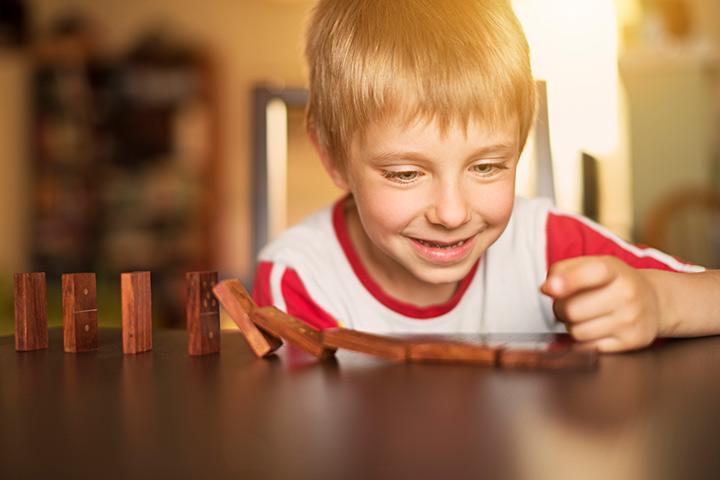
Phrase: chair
(686,223)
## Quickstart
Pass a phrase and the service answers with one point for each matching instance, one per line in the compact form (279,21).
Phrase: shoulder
(303,271)
(309,252)
(309,238)
(571,235)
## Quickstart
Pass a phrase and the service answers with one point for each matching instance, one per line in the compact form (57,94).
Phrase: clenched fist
(605,303)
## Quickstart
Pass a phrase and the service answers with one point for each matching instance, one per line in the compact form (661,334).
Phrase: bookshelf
(124,162)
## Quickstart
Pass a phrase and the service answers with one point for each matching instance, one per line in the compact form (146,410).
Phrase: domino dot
(85,291)
(211,335)
(87,328)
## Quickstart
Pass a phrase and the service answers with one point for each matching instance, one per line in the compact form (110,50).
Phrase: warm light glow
(277,156)
(574,48)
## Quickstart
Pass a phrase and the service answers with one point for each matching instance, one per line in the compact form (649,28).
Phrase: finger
(605,345)
(553,282)
(569,276)
(579,274)
(595,329)
(588,304)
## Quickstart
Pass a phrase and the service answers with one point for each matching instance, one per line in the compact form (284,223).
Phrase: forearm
(689,302)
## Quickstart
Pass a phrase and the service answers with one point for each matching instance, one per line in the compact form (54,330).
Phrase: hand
(605,303)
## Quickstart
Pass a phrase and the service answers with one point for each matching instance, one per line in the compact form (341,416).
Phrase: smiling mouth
(448,245)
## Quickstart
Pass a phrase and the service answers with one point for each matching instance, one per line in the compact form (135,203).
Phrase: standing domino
(80,314)
(136,312)
(203,313)
(31,329)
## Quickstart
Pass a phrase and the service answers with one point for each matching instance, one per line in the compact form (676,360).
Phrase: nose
(449,206)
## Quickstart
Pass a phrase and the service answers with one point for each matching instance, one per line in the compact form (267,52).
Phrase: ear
(336,174)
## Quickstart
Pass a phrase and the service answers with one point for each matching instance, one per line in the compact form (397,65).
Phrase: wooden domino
(546,356)
(554,354)
(203,313)
(441,350)
(378,345)
(240,306)
(136,312)
(31,330)
(293,330)
(80,314)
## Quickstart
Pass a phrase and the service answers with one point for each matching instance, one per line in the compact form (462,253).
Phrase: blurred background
(130,139)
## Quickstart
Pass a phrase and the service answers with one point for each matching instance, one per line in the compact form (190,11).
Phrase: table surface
(651,414)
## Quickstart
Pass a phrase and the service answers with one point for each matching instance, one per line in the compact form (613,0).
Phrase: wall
(705,15)
(14,176)
(574,47)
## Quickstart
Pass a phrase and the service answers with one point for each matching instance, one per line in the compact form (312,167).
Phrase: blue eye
(406,176)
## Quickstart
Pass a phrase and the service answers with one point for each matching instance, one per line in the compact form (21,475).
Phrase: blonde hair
(442,60)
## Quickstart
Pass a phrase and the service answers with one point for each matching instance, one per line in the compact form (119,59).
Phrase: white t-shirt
(313,272)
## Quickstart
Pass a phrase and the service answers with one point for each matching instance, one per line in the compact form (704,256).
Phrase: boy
(420,109)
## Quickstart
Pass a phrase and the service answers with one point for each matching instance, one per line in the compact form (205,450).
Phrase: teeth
(441,245)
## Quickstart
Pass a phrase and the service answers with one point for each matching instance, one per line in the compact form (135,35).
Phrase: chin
(442,275)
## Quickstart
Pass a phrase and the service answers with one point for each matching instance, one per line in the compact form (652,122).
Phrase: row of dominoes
(80,312)
(265,328)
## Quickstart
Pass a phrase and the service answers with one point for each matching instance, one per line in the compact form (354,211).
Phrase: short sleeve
(282,287)
(570,236)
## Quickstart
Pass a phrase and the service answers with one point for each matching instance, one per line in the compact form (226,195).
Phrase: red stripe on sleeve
(568,237)
(261,285)
(300,305)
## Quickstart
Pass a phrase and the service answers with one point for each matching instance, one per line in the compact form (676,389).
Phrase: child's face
(433,203)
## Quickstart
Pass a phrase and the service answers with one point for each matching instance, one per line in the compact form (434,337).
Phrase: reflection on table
(650,414)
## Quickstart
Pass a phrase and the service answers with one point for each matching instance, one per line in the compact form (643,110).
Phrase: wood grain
(203,313)
(550,356)
(80,314)
(240,306)
(378,345)
(31,330)
(452,351)
(136,312)
(288,328)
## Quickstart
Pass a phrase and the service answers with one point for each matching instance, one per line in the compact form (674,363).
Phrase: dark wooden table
(653,414)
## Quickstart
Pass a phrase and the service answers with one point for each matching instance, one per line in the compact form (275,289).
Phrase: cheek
(385,210)
(496,202)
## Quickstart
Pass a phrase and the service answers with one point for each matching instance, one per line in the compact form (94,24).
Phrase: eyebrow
(497,149)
